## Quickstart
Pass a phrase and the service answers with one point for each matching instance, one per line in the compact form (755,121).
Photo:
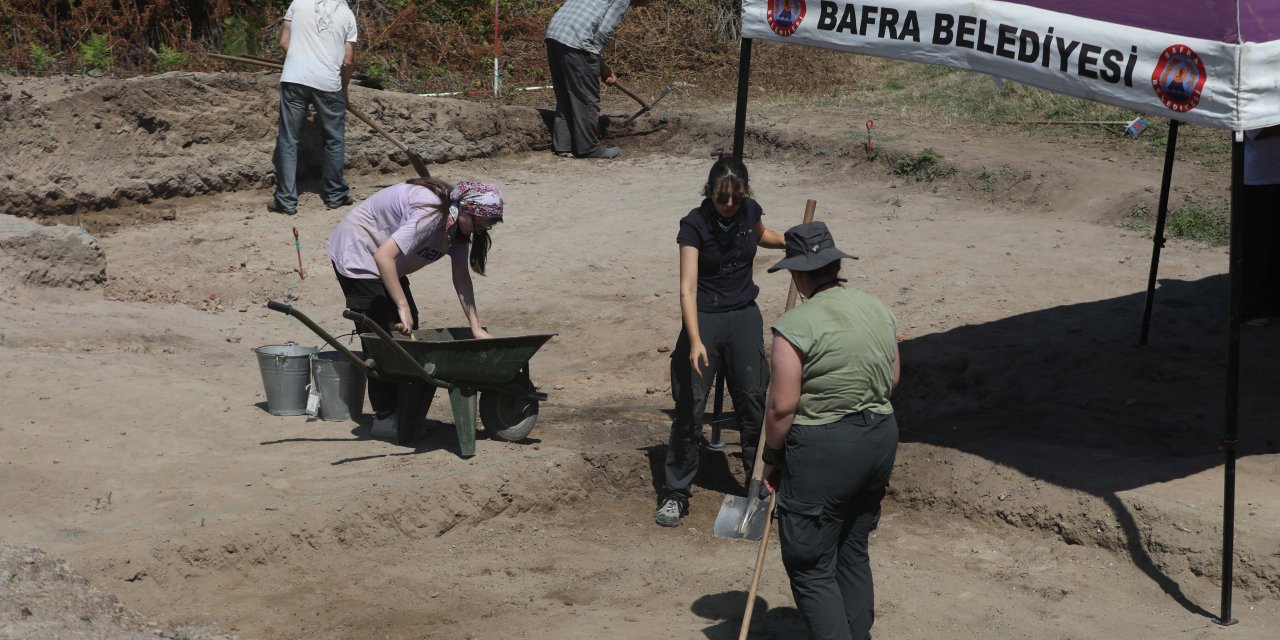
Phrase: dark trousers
(828,505)
(331,116)
(733,343)
(1260,243)
(575,75)
(370,297)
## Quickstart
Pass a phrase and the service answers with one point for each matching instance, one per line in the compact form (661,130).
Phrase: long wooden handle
(627,91)
(755,575)
(354,111)
(809,208)
(758,472)
(373,125)
(255,61)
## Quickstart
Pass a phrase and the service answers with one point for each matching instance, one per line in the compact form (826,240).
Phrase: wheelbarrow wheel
(507,414)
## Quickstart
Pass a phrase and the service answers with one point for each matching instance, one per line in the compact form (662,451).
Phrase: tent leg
(1157,239)
(1228,445)
(744,79)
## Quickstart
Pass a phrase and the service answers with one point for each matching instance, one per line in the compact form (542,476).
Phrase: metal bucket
(286,374)
(340,384)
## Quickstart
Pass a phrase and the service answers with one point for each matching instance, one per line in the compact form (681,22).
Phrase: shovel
(416,160)
(741,517)
(644,106)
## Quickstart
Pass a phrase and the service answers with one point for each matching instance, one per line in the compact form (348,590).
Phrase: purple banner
(1259,20)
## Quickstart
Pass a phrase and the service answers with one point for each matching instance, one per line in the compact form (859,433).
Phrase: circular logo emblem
(1178,78)
(785,16)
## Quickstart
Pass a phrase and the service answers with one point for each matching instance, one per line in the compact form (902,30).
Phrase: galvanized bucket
(340,384)
(286,374)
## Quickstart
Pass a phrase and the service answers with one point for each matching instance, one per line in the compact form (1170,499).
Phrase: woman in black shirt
(722,328)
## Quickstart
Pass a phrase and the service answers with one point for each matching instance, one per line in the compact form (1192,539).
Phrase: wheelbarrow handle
(424,373)
(333,342)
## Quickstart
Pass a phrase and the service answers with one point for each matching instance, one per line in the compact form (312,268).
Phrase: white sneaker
(385,427)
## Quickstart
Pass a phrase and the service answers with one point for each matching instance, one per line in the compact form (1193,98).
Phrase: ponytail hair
(480,243)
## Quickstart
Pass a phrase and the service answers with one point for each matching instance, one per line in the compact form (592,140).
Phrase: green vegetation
(923,167)
(41,60)
(1196,221)
(987,179)
(12,577)
(241,36)
(168,59)
(1138,218)
(95,53)
(377,68)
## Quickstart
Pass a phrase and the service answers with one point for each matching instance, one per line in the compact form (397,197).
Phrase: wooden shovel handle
(376,127)
(243,60)
(757,473)
(354,111)
(755,575)
(809,208)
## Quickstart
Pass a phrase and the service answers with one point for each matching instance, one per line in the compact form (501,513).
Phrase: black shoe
(345,202)
(275,207)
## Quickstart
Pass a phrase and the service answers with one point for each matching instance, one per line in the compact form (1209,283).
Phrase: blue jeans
(331,116)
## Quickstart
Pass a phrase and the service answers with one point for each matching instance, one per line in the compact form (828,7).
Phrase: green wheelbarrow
(487,378)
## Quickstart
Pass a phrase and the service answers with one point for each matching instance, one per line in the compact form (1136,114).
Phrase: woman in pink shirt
(397,231)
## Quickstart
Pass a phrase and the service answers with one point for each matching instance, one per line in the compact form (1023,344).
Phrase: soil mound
(45,600)
(96,143)
(50,256)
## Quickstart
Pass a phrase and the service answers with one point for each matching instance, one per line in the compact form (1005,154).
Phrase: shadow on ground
(1066,396)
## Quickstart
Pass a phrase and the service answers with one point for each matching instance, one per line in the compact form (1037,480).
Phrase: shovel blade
(742,517)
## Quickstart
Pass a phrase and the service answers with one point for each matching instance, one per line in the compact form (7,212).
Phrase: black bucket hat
(809,246)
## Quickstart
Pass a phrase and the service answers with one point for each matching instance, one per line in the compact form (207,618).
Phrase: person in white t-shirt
(398,231)
(318,37)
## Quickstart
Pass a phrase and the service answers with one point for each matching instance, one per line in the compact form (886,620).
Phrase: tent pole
(1228,445)
(744,78)
(1157,239)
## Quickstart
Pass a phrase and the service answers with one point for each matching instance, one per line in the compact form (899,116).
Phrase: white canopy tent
(1210,62)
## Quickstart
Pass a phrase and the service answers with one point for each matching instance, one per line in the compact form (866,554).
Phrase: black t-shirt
(726,251)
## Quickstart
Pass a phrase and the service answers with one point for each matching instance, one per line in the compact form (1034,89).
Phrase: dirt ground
(1054,479)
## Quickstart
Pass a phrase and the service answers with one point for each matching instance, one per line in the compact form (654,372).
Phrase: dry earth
(1054,481)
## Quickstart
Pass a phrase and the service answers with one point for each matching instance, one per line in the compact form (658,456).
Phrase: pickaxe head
(644,106)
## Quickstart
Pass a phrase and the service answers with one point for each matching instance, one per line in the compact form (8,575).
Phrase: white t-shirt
(404,212)
(1261,158)
(318,35)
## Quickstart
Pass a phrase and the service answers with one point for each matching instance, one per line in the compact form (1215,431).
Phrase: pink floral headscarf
(477,199)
